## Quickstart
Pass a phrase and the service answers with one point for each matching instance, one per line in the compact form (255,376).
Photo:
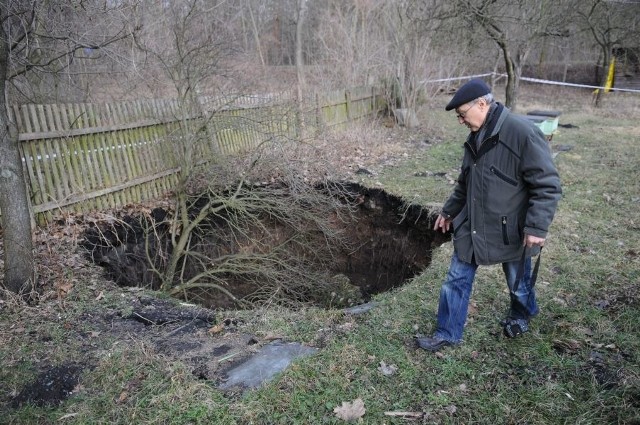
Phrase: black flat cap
(469,91)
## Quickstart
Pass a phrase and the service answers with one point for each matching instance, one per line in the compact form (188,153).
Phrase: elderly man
(500,211)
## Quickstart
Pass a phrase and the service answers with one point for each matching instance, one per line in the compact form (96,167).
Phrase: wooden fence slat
(35,175)
(115,159)
(66,152)
(84,120)
(144,150)
(61,157)
(86,155)
(41,160)
(105,172)
(129,150)
(73,148)
(121,160)
(78,151)
(32,184)
(56,191)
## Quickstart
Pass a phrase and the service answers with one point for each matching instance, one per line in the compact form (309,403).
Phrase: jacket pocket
(502,176)
(505,229)
(459,220)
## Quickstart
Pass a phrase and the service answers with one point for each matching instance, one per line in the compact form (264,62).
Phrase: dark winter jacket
(507,187)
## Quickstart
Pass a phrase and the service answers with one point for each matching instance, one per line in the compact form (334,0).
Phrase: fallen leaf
(63,288)
(216,329)
(67,416)
(100,296)
(350,411)
(451,409)
(123,396)
(387,370)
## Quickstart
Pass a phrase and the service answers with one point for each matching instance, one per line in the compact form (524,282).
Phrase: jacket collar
(489,131)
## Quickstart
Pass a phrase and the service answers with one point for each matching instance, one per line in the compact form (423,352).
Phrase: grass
(578,365)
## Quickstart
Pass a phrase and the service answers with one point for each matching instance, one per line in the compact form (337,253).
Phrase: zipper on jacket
(505,235)
(503,176)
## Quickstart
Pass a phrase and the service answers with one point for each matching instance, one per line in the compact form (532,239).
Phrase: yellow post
(609,83)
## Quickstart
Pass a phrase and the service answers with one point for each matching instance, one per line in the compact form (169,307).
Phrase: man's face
(472,114)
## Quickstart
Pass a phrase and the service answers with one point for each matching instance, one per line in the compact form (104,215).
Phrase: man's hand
(530,241)
(443,224)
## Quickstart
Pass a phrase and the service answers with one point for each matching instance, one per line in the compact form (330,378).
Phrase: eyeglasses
(461,115)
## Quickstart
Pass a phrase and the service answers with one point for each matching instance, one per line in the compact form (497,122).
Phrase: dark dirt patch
(149,311)
(51,387)
(187,333)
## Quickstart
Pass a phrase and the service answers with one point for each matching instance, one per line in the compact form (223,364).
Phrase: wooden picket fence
(86,157)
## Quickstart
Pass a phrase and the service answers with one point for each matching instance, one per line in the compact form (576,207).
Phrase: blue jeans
(456,290)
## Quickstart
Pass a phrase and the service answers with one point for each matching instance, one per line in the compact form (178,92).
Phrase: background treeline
(102,50)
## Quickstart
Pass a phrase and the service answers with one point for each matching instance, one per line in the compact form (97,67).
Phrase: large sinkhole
(335,245)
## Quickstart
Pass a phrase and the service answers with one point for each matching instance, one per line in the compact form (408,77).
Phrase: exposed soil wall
(389,242)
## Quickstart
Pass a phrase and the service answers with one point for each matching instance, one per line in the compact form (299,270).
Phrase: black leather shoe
(512,328)
(432,344)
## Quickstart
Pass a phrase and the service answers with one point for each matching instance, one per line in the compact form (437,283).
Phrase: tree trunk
(256,33)
(602,80)
(14,204)
(302,6)
(512,81)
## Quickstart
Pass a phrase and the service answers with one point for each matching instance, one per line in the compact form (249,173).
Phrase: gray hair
(487,98)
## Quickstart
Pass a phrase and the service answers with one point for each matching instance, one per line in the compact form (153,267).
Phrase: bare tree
(36,40)
(301,86)
(515,27)
(611,24)
(14,204)
(226,224)
(369,42)
(349,43)
(256,32)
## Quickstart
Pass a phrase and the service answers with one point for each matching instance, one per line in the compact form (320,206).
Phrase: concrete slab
(359,309)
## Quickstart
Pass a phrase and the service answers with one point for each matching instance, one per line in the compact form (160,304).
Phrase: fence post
(319,118)
(347,96)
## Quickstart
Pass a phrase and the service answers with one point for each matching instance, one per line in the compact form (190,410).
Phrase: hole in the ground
(388,243)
